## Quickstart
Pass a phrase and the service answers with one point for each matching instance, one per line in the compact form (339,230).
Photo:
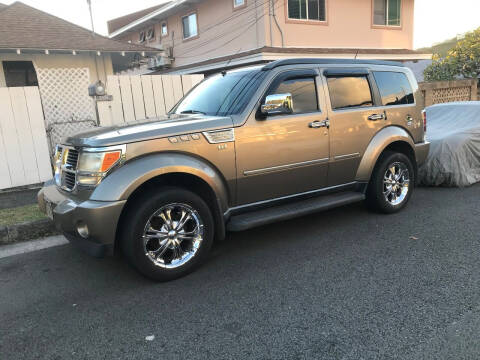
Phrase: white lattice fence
(66,105)
(143,97)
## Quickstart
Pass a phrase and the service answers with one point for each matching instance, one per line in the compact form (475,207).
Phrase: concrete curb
(27,231)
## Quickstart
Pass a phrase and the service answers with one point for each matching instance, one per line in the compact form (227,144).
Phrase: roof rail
(299,61)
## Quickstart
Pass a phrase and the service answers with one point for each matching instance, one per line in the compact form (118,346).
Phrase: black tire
(139,213)
(376,199)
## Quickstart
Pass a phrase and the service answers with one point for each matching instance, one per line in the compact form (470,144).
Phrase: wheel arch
(172,169)
(392,138)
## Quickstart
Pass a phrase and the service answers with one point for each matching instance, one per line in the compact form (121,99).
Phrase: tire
(390,190)
(153,241)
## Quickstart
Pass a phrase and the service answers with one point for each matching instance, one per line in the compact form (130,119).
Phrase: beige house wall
(349,25)
(102,69)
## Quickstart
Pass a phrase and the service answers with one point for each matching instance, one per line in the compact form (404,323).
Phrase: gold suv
(244,148)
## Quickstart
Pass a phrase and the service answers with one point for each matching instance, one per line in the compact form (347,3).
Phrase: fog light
(82,230)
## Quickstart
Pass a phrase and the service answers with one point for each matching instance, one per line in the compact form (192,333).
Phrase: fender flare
(122,182)
(377,145)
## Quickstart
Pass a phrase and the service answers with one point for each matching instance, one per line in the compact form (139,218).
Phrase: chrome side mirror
(277,104)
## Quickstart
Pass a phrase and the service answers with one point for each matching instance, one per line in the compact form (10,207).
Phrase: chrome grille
(68,172)
(72,159)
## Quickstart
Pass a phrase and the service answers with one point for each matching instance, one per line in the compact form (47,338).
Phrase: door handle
(319,124)
(376,117)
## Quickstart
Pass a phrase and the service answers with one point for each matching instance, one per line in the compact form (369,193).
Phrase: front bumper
(100,217)
(421,152)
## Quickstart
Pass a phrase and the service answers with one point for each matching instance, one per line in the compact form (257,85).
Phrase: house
(208,35)
(62,59)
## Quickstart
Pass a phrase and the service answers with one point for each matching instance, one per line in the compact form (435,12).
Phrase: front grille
(69,179)
(72,159)
(68,175)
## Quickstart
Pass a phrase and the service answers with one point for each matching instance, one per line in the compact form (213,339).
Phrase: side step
(292,210)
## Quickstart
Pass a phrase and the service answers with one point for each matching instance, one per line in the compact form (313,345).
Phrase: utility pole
(89,2)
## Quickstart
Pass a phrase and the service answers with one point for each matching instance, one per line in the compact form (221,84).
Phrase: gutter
(146,18)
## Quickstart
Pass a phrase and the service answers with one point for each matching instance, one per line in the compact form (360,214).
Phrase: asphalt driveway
(344,284)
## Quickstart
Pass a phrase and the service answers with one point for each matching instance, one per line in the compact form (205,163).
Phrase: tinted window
(222,94)
(349,91)
(394,88)
(304,94)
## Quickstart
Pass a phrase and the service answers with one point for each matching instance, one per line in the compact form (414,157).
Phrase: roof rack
(298,61)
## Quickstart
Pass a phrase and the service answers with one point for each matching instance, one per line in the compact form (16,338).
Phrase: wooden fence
(24,155)
(142,97)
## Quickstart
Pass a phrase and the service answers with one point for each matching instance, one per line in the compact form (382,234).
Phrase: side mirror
(277,104)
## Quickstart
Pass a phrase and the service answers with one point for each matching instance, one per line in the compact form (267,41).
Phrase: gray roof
(24,27)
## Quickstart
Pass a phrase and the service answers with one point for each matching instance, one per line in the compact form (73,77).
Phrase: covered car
(454,133)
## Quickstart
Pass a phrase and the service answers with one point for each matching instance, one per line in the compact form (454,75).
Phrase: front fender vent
(220,136)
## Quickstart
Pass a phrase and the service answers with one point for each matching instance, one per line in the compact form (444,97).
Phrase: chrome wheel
(395,183)
(173,235)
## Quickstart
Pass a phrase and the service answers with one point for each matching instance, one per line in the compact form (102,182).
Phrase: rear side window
(394,88)
(349,92)
(304,94)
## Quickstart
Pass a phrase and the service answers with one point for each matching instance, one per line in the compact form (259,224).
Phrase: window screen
(387,12)
(394,88)
(307,9)
(349,91)
(304,94)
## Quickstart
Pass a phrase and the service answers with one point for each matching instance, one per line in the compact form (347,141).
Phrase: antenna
(89,2)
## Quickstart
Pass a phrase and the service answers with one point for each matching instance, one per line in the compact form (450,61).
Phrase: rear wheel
(391,184)
(168,233)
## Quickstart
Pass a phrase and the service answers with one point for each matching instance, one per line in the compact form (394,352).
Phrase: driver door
(285,154)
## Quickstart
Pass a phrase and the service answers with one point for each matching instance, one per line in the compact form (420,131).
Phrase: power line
(251,24)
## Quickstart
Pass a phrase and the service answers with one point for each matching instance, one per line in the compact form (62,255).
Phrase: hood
(148,130)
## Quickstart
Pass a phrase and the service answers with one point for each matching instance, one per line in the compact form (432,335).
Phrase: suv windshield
(222,94)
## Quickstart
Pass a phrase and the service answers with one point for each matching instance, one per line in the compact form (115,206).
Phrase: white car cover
(454,132)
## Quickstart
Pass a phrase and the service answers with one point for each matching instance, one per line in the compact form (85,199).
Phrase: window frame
(306,21)
(183,30)
(142,37)
(386,26)
(374,92)
(288,75)
(150,34)
(161,29)
(238,7)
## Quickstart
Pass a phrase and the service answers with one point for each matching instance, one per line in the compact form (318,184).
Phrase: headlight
(93,165)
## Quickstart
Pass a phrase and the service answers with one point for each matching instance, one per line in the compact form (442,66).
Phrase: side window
(349,91)
(304,94)
(394,88)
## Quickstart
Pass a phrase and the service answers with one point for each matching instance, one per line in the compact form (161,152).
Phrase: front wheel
(391,184)
(168,234)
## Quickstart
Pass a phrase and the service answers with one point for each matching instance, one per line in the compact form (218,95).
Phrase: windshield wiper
(193,112)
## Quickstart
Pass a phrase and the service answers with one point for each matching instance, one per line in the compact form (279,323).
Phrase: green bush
(461,61)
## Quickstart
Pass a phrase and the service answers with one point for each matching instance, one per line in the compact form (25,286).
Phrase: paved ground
(345,284)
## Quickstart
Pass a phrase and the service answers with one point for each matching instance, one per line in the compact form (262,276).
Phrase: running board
(292,210)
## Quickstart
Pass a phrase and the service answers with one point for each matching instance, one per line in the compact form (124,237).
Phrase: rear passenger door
(354,116)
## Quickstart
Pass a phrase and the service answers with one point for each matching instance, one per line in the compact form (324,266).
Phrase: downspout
(276,22)
(270,21)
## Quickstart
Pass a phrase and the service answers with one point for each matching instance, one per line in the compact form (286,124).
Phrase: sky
(435,20)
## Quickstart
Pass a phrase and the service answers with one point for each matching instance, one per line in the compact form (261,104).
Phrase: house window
(141,38)
(190,28)
(349,92)
(238,3)
(387,12)
(164,29)
(307,10)
(19,73)
(150,34)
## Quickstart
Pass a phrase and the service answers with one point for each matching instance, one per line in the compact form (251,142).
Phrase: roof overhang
(256,57)
(75,51)
(155,16)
